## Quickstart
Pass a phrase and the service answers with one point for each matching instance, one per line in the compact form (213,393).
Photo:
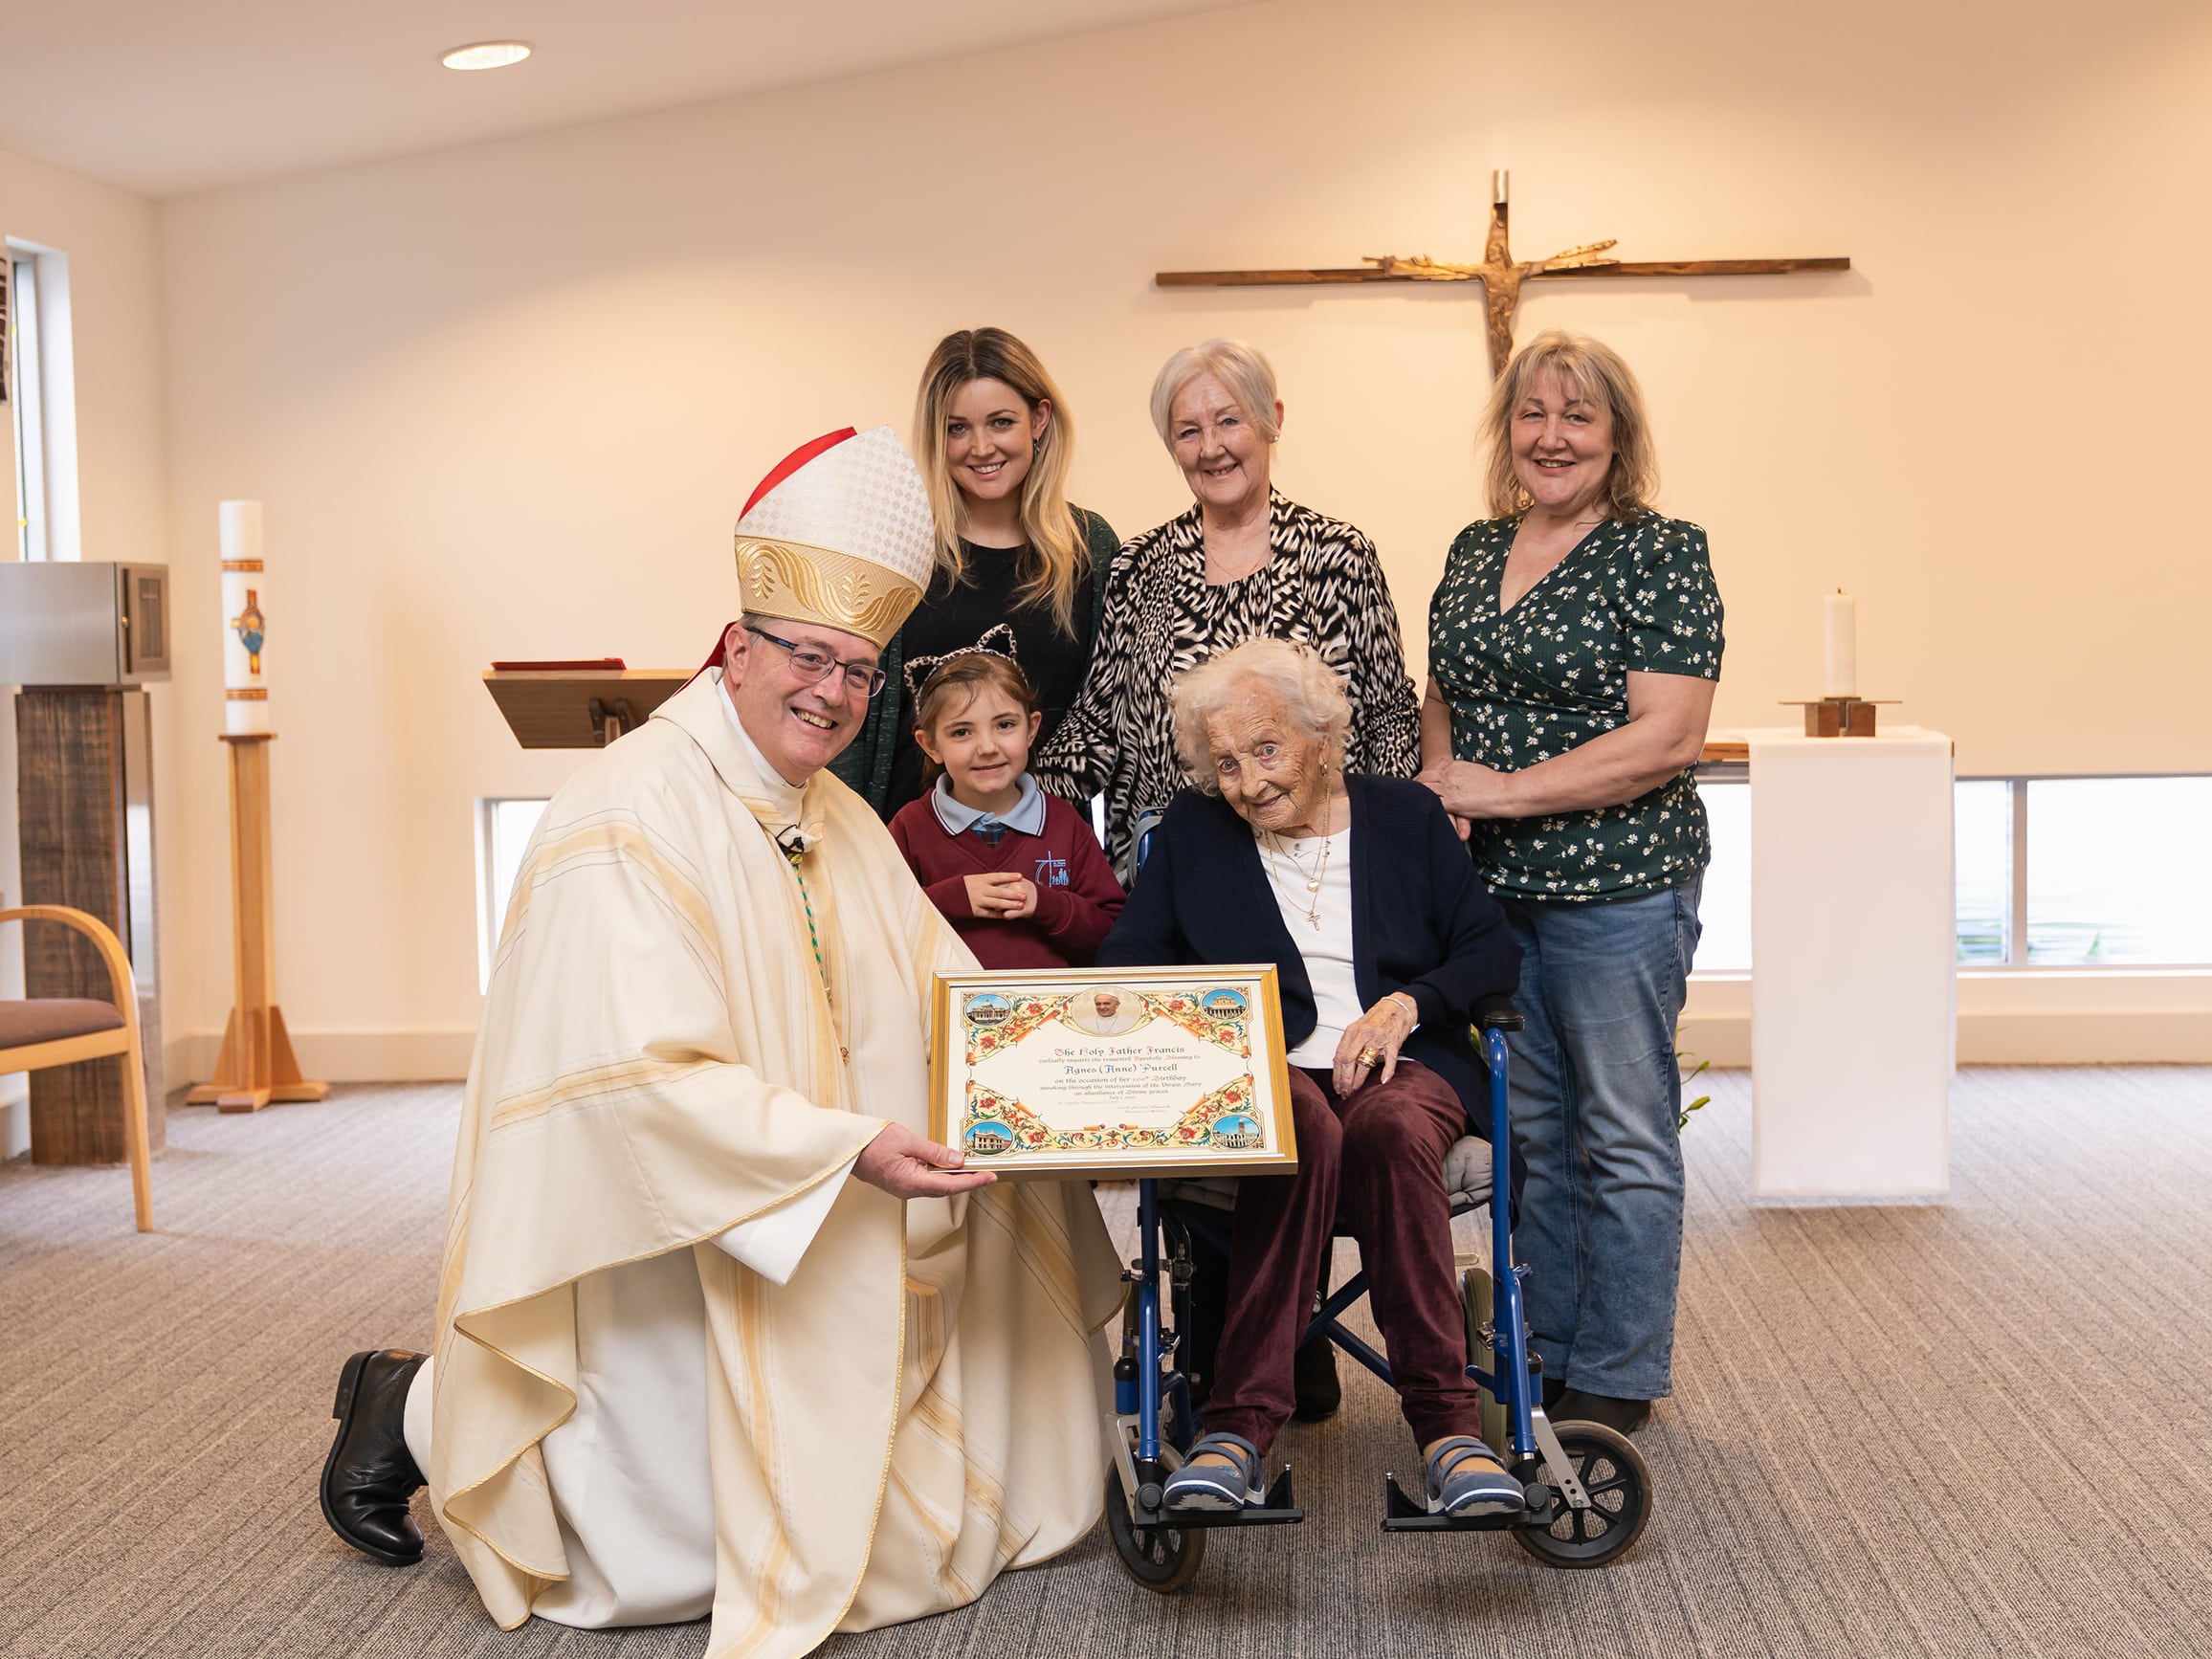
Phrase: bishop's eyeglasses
(813,664)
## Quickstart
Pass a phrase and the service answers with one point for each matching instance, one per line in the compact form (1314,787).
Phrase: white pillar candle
(245,620)
(1840,677)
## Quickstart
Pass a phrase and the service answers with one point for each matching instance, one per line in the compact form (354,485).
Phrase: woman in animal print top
(1245,562)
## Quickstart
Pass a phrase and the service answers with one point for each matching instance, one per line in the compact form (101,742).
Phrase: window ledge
(2013,1016)
(2055,972)
(2060,971)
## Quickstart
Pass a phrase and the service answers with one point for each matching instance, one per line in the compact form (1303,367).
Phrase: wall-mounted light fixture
(486,54)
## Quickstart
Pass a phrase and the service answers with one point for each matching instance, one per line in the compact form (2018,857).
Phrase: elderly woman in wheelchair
(1362,895)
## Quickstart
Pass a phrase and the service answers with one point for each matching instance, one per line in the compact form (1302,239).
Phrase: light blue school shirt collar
(1027,818)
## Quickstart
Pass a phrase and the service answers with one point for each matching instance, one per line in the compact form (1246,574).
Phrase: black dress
(952,618)
(883,763)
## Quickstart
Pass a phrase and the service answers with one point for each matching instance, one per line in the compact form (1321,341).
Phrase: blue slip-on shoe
(1465,1478)
(1218,1488)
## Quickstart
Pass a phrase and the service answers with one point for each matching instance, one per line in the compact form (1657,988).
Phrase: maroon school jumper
(1077,897)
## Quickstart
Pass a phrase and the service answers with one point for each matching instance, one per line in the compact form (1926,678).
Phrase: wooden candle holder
(256,1065)
(1840,717)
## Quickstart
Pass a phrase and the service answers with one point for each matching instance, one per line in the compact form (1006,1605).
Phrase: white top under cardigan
(1326,947)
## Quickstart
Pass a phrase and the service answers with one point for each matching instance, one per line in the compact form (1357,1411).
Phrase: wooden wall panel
(73,799)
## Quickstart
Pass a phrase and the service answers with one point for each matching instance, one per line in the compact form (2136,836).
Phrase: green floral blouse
(1553,673)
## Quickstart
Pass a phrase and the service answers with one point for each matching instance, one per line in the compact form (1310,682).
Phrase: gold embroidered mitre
(840,535)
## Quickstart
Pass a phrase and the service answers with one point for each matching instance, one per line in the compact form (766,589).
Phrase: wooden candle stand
(256,1065)
(1840,717)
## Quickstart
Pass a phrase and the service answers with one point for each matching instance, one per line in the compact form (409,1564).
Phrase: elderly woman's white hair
(1238,366)
(1311,691)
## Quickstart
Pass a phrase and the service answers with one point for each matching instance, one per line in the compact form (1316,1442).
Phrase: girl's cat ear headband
(920,670)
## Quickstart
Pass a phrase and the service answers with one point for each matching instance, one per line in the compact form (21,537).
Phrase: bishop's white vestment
(627,1421)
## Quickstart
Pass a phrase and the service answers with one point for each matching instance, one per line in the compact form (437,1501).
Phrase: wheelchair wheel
(1612,1471)
(1160,1558)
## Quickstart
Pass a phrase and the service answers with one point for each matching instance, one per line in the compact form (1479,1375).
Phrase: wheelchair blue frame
(1509,1381)
(1145,1395)
(1509,1336)
(1588,1492)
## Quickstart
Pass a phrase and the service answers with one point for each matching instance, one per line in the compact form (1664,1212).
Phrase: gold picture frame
(1112,1074)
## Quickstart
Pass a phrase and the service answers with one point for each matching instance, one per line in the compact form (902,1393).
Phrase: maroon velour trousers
(1379,1154)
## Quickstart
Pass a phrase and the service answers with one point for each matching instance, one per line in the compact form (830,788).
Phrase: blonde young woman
(994,441)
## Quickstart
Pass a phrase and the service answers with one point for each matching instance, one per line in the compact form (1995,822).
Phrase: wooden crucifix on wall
(1501,276)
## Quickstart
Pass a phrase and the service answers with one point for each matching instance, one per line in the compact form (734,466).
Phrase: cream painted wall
(114,251)
(114,254)
(507,399)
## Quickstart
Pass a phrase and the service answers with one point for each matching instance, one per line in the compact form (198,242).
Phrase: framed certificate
(1113,1073)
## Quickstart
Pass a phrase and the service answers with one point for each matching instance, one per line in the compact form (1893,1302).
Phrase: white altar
(1854,982)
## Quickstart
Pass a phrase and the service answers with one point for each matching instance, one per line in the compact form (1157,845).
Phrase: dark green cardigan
(865,765)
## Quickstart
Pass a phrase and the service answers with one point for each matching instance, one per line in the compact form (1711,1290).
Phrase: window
(1724,910)
(2116,873)
(1981,845)
(2049,872)
(41,399)
(23,400)
(503,831)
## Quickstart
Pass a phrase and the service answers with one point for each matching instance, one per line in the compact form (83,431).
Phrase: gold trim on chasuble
(1042,1243)
(771,1572)
(803,583)
(772,1587)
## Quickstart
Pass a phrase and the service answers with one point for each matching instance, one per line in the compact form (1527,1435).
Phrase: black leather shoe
(1626,1415)
(369,1475)
(1314,1383)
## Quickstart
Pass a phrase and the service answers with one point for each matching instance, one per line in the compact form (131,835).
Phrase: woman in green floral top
(1574,645)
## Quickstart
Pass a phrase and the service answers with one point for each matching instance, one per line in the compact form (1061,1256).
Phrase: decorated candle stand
(256,1065)
(1839,711)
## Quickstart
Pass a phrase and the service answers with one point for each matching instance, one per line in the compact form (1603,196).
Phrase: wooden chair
(59,1030)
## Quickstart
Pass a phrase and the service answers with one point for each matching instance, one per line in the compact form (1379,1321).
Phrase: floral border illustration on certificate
(993,1123)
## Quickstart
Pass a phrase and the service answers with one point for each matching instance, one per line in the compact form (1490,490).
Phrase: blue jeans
(1597,1100)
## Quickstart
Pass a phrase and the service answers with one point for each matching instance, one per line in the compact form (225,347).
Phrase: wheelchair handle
(1496,1013)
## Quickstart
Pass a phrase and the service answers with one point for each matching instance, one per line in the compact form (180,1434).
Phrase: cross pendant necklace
(1312,909)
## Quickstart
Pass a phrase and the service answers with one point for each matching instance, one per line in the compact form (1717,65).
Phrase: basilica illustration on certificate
(1112,1074)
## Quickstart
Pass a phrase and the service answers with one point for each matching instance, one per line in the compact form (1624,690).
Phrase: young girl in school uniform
(1015,870)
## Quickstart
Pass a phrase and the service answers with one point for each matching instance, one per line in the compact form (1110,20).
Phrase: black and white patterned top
(1321,586)
(1552,673)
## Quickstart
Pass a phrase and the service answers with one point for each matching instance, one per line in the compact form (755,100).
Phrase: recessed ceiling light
(487,55)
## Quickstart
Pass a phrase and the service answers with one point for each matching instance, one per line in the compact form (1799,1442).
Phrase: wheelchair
(1587,1489)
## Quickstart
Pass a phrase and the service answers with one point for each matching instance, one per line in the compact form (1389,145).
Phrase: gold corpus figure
(1501,278)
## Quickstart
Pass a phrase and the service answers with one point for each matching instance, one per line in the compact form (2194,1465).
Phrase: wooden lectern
(256,1065)
(578,705)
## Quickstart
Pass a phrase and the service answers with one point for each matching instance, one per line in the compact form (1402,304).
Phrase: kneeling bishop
(719,1329)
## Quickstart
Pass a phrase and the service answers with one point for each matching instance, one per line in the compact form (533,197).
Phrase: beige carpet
(1980,1429)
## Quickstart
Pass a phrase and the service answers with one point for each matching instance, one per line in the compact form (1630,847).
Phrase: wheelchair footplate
(1279,1509)
(1404,1514)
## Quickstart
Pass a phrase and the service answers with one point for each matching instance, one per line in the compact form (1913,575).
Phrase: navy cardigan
(1422,921)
